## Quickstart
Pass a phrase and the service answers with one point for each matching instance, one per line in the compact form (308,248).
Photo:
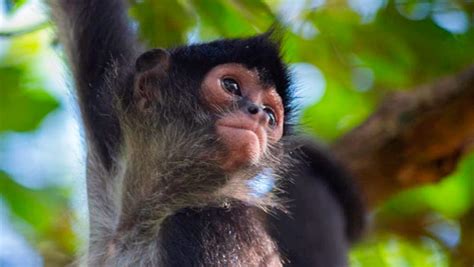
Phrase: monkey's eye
(271,116)
(232,86)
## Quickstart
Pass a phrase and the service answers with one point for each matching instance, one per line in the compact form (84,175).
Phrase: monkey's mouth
(241,128)
(238,128)
(237,134)
(244,141)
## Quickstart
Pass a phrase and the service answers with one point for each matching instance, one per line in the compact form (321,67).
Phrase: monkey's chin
(243,147)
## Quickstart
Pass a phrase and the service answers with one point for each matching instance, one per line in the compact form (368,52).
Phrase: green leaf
(14,5)
(339,110)
(238,18)
(162,23)
(458,188)
(45,210)
(37,207)
(393,251)
(22,107)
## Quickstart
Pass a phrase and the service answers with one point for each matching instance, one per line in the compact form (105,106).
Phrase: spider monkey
(182,141)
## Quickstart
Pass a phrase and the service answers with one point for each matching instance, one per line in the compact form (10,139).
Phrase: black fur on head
(189,65)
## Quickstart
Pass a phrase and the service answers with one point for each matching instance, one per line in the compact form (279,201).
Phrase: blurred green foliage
(363,51)
(12,6)
(45,212)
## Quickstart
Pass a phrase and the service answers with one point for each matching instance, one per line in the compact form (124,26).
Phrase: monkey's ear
(153,59)
(151,72)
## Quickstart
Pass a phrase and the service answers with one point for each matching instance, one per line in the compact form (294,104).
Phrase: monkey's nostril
(253,109)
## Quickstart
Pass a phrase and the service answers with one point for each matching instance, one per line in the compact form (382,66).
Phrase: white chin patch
(262,183)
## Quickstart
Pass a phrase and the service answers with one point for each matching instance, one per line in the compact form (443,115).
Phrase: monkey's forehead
(257,52)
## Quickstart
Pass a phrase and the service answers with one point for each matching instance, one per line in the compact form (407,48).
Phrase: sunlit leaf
(339,110)
(391,251)
(162,23)
(13,5)
(45,210)
(34,206)
(24,102)
(452,197)
(22,108)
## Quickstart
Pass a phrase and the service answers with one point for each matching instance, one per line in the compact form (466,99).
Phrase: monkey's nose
(253,109)
(257,113)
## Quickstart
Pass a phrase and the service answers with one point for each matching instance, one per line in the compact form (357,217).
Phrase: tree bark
(414,137)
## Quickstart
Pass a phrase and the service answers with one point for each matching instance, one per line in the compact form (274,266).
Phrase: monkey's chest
(218,237)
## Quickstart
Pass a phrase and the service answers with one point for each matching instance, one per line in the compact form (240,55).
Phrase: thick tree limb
(414,137)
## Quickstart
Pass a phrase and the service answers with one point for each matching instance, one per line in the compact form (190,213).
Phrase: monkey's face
(249,112)
(241,105)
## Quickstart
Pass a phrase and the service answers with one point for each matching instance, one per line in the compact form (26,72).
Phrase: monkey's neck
(234,236)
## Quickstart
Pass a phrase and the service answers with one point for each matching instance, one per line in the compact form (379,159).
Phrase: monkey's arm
(99,44)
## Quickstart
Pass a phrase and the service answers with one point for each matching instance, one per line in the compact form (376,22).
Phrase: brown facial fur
(245,136)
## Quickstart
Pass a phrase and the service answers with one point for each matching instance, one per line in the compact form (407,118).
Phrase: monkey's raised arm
(99,44)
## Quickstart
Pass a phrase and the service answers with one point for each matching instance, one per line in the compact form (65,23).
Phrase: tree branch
(415,137)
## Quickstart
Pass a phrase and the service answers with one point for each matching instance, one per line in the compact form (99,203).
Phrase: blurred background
(345,57)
